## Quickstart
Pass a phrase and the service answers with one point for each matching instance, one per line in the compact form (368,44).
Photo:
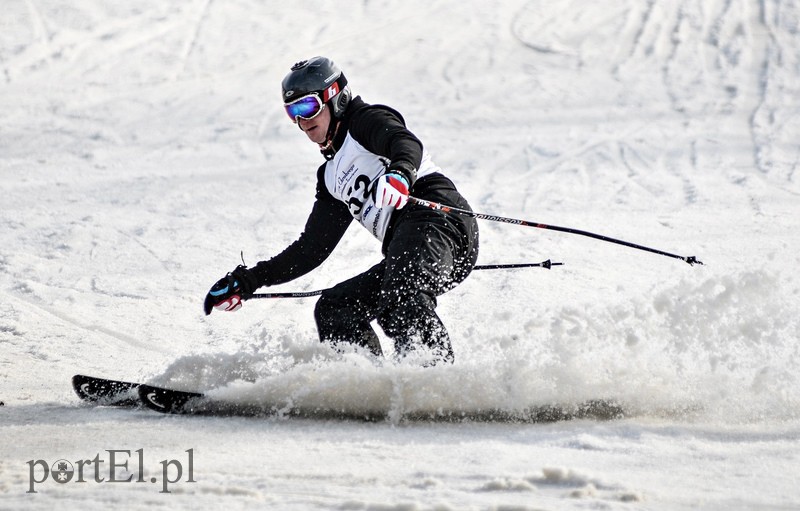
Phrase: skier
(373,162)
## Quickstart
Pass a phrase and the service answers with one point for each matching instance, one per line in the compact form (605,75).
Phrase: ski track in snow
(143,146)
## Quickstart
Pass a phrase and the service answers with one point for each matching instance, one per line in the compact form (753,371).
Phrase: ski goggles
(305,108)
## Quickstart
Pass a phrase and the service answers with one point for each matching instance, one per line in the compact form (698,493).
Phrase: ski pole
(494,218)
(303,294)
(544,264)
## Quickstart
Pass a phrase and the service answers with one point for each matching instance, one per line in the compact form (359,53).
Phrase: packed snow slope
(143,148)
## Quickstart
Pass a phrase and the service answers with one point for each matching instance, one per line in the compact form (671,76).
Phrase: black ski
(169,400)
(105,392)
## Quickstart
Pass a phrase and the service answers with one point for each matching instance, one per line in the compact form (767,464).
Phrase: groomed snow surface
(143,147)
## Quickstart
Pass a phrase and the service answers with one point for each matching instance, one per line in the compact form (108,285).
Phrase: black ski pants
(429,252)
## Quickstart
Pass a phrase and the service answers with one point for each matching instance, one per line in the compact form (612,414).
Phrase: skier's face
(316,129)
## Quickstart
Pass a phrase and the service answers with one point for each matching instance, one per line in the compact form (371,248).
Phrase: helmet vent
(299,65)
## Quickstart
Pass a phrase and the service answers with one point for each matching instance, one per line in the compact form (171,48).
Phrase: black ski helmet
(321,76)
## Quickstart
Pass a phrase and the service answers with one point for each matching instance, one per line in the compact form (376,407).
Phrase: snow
(143,147)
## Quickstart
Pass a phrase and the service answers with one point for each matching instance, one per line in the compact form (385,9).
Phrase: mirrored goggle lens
(306,108)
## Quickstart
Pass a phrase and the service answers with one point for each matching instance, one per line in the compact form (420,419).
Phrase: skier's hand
(392,190)
(229,291)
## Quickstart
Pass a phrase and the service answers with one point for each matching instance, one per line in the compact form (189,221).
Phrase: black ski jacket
(380,130)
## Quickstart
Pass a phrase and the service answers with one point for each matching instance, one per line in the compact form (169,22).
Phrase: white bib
(350,177)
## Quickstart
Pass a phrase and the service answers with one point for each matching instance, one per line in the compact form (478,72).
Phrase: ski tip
(102,391)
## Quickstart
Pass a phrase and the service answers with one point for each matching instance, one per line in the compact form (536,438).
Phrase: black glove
(228,292)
